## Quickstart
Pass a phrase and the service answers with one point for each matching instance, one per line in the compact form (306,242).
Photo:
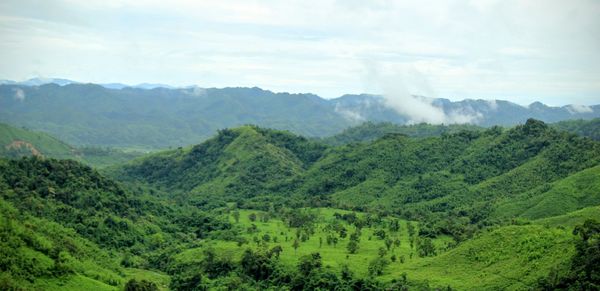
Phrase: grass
(510,257)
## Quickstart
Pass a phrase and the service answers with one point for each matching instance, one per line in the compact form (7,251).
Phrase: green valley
(254,208)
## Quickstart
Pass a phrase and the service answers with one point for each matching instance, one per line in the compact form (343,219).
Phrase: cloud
(409,93)
(349,113)
(492,104)
(574,109)
(515,50)
(19,94)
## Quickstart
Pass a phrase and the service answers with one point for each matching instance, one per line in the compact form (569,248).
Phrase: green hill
(589,128)
(19,142)
(238,163)
(256,209)
(370,131)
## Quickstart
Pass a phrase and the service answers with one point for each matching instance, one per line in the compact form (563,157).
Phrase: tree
(236,216)
(425,247)
(308,263)
(252,217)
(352,246)
(382,252)
(388,243)
(143,285)
(276,250)
(377,265)
(295,245)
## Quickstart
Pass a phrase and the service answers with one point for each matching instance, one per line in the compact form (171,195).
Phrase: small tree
(252,217)
(352,247)
(377,266)
(236,216)
(295,245)
(388,243)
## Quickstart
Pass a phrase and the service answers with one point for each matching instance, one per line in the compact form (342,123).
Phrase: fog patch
(348,113)
(574,109)
(19,94)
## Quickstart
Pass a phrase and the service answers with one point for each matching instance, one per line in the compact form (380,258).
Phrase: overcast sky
(521,51)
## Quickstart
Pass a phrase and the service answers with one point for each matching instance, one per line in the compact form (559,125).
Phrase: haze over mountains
(156,116)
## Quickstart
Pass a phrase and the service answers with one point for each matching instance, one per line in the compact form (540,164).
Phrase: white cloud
(518,50)
(573,109)
(349,113)
(19,94)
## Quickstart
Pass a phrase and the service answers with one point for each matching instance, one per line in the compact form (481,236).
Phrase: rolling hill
(254,208)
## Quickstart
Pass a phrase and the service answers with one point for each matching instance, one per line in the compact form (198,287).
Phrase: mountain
(20,142)
(128,117)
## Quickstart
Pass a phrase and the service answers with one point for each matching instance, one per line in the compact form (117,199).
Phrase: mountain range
(129,117)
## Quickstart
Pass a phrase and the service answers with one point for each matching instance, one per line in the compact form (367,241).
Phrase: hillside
(453,181)
(242,162)
(254,208)
(588,128)
(158,118)
(19,142)
(370,131)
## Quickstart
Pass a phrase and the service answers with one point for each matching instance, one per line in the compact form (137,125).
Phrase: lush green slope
(369,131)
(242,162)
(588,128)
(18,142)
(486,210)
(566,195)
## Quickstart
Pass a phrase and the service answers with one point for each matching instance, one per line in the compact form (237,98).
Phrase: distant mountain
(89,114)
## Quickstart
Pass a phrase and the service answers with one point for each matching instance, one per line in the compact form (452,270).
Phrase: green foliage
(20,142)
(370,131)
(587,128)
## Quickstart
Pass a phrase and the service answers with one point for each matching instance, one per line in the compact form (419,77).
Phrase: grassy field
(511,257)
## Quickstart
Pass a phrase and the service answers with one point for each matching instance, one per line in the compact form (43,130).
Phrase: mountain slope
(588,128)
(18,142)
(242,162)
(90,114)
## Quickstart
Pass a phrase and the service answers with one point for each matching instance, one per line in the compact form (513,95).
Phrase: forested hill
(369,131)
(464,175)
(254,209)
(589,128)
(93,115)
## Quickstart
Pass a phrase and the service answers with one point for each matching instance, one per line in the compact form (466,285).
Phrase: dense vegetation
(370,131)
(254,209)
(589,128)
(20,142)
(93,115)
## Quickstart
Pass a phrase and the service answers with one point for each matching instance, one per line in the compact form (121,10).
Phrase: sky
(522,51)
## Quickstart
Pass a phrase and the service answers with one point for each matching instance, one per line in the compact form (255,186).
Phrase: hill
(242,162)
(19,142)
(254,209)
(157,118)
(588,128)
(370,131)
(453,181)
